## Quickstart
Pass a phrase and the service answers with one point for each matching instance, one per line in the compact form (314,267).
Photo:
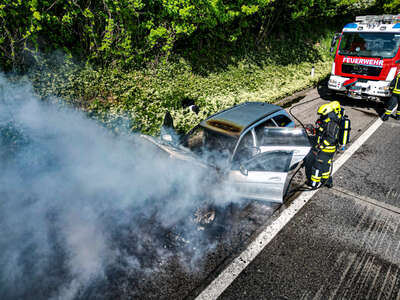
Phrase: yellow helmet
(335,107)
(324,109)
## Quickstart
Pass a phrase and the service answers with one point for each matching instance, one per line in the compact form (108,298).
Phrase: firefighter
(394,100)
(319,164)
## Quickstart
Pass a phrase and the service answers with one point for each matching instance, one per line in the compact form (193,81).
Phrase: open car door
(263,177)
(267,174)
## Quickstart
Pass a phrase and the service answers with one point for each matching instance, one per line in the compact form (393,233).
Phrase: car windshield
(369,44)
(215,147)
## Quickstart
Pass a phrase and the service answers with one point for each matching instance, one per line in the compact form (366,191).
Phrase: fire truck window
(369,44)
(357,45)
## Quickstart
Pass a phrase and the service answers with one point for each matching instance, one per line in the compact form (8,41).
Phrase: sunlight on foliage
(139,99)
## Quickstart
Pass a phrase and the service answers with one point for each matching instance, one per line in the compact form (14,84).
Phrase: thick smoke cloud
(77,201)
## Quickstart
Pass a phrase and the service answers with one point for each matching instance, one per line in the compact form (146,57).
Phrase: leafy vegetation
(136,32)
(129,61)
(113,95)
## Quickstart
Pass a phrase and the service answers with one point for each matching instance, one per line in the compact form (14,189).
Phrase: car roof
(233,121)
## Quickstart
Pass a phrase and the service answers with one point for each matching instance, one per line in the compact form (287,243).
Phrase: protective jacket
(327,133)
(319,163)
(394,100)
(395,85)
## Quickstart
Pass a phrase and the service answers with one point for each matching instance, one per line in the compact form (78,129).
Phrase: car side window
(267,123)
(260,128)
(245,148)
(282,120)
(275,161)
(246,141)
(281,136)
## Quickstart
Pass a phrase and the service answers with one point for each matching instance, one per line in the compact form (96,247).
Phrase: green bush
(132,33)
(141,98)
(139,58)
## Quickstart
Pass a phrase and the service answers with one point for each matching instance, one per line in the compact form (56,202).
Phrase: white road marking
(229,274)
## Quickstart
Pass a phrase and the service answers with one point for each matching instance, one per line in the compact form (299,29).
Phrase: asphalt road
(345,243)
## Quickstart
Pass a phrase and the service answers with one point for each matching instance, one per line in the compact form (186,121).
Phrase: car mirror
(243,170)
(333,42)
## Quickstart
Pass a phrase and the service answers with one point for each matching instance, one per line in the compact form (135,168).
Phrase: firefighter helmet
(324,109)
(335,107)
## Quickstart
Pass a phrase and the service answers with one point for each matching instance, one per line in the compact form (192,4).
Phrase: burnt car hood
(177,152)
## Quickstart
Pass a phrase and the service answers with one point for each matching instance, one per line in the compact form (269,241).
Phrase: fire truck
(367,57)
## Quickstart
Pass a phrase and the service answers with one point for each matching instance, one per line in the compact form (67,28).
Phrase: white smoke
(72,195)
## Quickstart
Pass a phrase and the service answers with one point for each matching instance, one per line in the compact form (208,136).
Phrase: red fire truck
(367,57)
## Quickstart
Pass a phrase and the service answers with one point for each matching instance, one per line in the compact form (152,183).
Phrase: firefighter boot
(329,183)
(397,117)
(384,117)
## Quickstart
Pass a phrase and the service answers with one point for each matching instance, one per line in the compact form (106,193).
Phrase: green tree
(134,32)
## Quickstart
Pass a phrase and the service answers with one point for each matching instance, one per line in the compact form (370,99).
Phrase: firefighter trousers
(393,101)
(318,168)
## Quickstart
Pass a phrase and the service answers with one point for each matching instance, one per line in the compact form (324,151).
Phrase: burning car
(254,147)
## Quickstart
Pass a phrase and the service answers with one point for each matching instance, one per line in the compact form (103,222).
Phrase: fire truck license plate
(355,88)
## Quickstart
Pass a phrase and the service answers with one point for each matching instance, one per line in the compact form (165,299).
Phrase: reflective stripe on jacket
(395,85)
(327,134)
